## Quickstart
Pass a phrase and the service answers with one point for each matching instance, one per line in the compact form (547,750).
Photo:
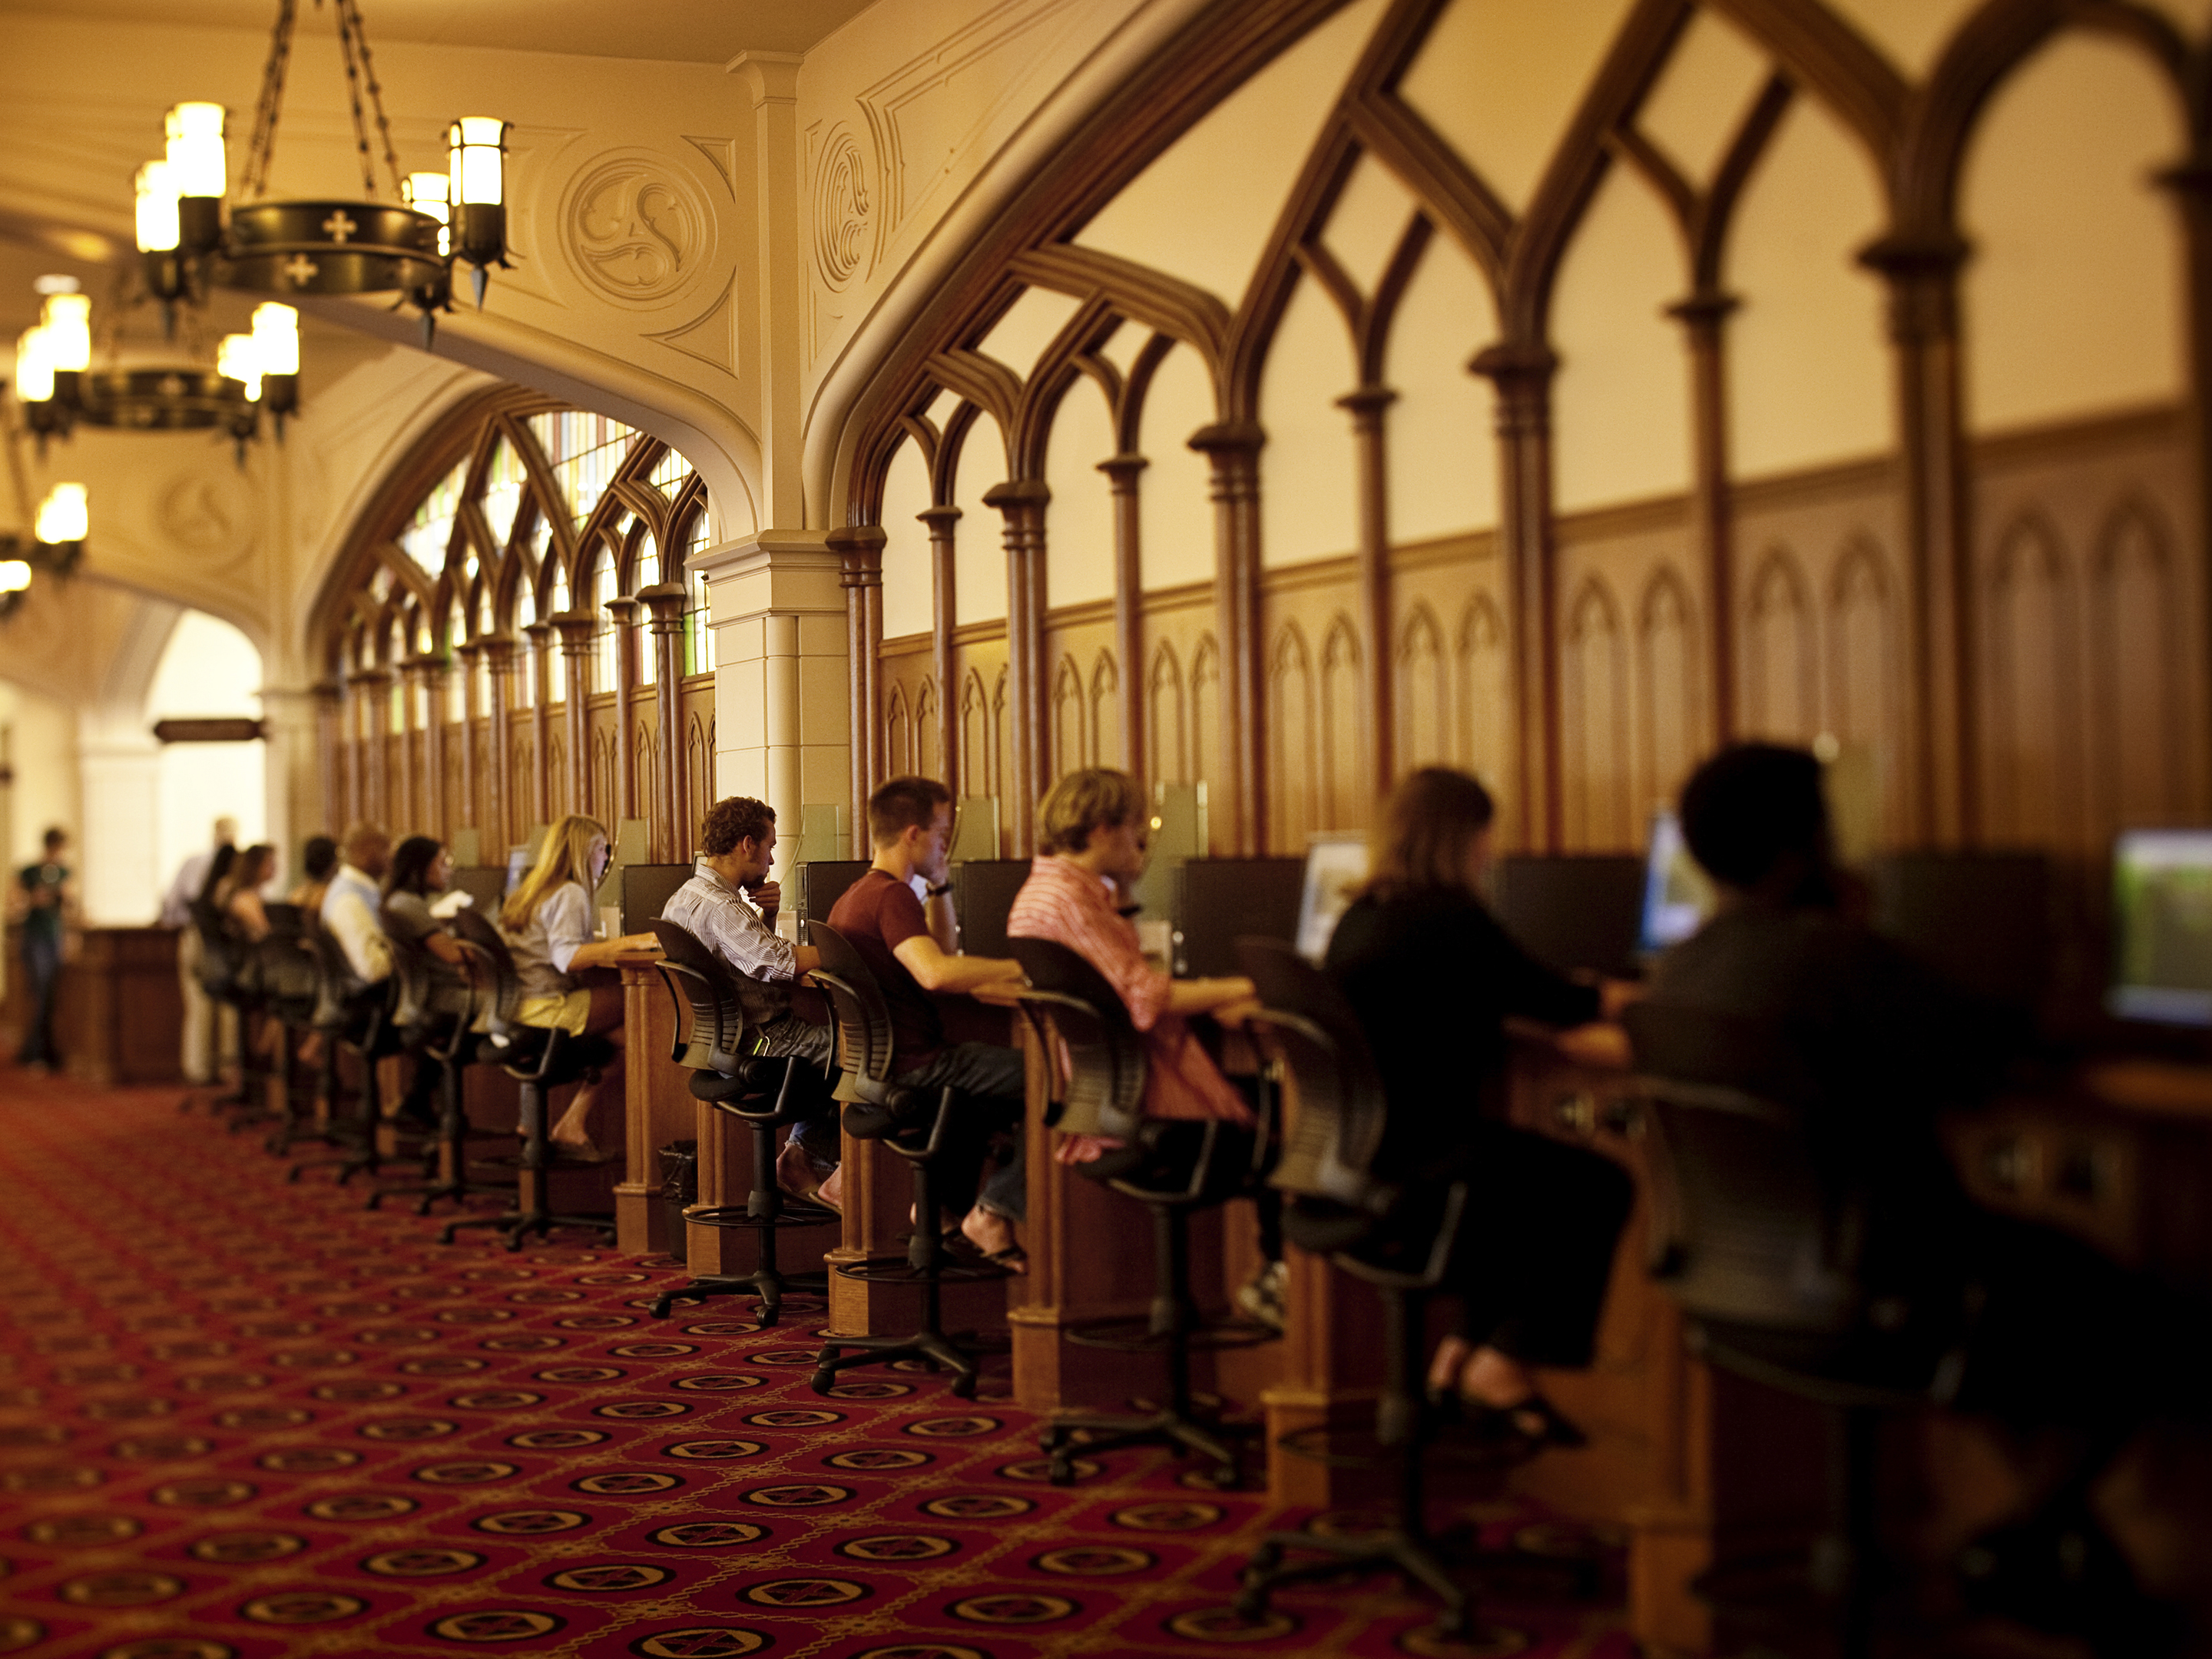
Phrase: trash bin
(679,1190)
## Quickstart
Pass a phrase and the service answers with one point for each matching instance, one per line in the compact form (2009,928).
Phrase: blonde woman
(547,924)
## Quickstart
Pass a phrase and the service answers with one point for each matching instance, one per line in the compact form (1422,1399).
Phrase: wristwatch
(939,890)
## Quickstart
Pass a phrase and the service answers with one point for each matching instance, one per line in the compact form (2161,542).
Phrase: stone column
(672,837)
(539,638)
(1233,448)
(1922,272)
(1522,372)
(944,617)
(859,550)
(783,714)
(292,723)
(578,631)
(1123,473)
(1022,502)
(119,780)
(779,216)
(622,617)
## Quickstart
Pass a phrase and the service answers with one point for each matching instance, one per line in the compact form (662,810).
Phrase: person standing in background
(198,1055)
(44,901)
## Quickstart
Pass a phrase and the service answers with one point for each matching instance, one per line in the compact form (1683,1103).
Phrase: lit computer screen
(1336,868)
(2163,926)
(1678,895)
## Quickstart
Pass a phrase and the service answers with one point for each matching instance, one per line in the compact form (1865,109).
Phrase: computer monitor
(2162,927)
(1678,895)
(1220,901)
(1336,866)
(642,891)
(1574,911)
(1981,920)
(821,882)
(519,860)
(982,892)
(486,884)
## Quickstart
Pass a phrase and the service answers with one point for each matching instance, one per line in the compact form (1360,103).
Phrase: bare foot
(994,1234)
(1490,1378)
(1445,1364)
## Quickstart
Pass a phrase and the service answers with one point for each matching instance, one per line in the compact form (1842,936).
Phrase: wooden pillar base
(1668,1547)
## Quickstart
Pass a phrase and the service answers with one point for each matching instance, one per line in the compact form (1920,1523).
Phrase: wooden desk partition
(119,1012)
(658,1107)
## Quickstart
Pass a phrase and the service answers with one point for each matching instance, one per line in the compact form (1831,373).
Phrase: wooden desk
(120,1014)
(658,1109)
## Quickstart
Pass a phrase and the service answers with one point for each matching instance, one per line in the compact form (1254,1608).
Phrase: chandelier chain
(353,36)
(264,147)
(375,96)
(353,98)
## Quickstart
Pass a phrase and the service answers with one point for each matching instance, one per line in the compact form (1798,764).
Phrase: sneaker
(1264,1296)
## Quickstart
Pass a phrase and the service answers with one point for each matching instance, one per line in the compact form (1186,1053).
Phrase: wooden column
(664,603)
(578,631)
(944,617)
(371,688)
(1712,523)
(501,652)
(1368,407)
(622,618)
(1522,372)
(539,638)
(356,805)
(2192,184)
(1922,274)
(859,550)
(1233,448)
(330,725)
(1122,474)
(426,689)
(1022,502)
(469,813)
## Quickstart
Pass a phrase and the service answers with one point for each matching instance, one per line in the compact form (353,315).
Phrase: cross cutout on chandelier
(337,227)
(300,269)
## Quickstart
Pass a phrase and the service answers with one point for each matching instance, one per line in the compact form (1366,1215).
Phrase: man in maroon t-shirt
(910,824)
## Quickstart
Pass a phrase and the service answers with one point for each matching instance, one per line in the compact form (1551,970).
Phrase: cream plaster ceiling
(683,31)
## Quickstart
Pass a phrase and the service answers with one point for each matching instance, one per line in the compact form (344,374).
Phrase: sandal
(1535,1422)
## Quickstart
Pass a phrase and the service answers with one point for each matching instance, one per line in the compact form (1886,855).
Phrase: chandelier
(57,543)
(58,388)
(194,233)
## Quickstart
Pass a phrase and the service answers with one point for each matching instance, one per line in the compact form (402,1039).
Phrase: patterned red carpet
(243,1417)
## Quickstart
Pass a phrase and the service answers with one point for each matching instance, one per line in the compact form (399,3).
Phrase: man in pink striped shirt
(1092,831)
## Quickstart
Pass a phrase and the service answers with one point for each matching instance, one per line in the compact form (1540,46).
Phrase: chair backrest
(221,959)
(1103,1092)
(864,1019)
(426,994)
(1331,1140)
(343,999)
(283,918)
(507,982)
(1748,1232)
(699,981)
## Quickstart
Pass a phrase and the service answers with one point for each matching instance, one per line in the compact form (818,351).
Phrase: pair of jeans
(42,967)
(989,1076)
(815,1134)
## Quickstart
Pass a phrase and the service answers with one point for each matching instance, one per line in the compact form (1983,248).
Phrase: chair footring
(1135,1335)
(937,1350)
(796,1213)
(1106,1432)
(895,1270)
(519,1225)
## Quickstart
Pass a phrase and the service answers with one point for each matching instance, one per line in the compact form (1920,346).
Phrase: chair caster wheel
(514,1239)
(823,1381)
(1251,1605)
(658,1307)
(1261,1564)
(1453,1625)
(766,1315)
(1228,1479)
(963,1386)
(1062,1473)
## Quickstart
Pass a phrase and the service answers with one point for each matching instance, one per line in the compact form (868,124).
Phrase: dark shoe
(2058,1572)
(1535,1424)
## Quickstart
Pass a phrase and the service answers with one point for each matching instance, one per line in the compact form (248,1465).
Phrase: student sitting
(318,862)
(413,887)
(1872,1045)
(547,924)
(237,895)
(730,904)
(910,823)
(352,904)
(1433,978)
(1091,840)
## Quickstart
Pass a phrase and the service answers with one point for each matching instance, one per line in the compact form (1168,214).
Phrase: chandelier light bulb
(237,360)
(67,320)
(157,209)
(427,192)
(14,575)
(64,515)
(196,164)
(478,170)
(276,338)
(35,368)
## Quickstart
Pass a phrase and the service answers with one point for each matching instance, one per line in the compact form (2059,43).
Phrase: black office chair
(761,1093)
(879,1109)
(434,1013)
(1173,1169)
(354,1017)
(284,967)
(1768,1261)
(541,1060)
(229,974)
(1398,1240)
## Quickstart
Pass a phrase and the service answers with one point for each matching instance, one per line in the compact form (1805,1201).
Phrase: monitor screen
(2163,926)
(1678,895)
(1574,911)
(983,893)
(519,860)
(1220,901)
(1980,919)
(823,882)
(1336,866)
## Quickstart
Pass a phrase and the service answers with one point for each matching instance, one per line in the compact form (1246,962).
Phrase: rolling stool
(1763,1256)
(229,974)
(1170,1167)
(354,1016)
(435,1009)
(878,1109)
(540,1059)
(761,1093)
(1401,1243)
(285,963)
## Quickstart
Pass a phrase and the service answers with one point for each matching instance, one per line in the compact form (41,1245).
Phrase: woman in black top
(1433,979)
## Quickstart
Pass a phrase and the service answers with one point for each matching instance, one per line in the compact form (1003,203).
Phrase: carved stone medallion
(637,229)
